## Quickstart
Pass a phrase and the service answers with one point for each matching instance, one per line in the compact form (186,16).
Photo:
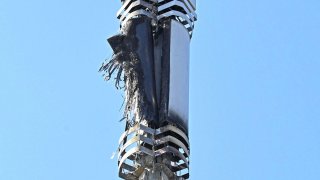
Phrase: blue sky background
(254,90)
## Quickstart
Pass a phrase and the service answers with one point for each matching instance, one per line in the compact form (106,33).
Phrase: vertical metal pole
(151,62)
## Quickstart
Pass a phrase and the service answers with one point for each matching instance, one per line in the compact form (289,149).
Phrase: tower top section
(181,10)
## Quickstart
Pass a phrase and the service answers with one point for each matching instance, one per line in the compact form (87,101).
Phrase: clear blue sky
(254,90)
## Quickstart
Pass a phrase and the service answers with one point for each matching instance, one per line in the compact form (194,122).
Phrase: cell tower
(151,64)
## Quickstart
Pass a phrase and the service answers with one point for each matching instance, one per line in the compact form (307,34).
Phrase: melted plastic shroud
(133,61)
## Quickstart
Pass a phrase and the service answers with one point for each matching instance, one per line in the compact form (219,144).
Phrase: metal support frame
(141,145)
(181,10)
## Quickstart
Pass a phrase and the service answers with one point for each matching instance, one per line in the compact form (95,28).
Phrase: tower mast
(151,64)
